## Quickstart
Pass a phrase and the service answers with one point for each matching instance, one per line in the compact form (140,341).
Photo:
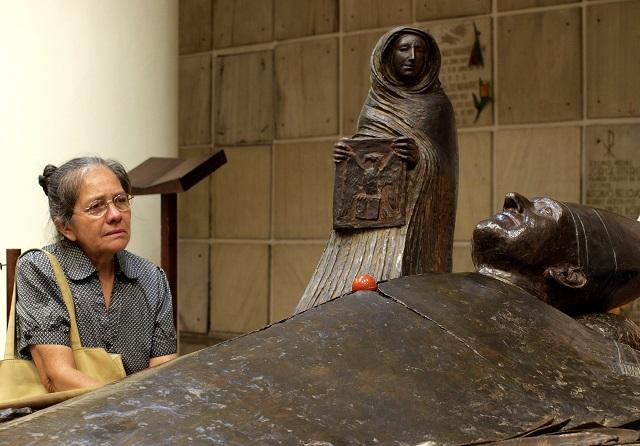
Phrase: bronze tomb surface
(448,358)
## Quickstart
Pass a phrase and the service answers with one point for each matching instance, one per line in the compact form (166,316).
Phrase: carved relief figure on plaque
(370,185)
(396,178)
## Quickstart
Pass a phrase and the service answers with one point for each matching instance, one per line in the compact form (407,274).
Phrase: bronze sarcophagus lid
(435,359)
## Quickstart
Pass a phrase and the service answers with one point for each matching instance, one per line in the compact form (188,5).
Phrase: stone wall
(276,82)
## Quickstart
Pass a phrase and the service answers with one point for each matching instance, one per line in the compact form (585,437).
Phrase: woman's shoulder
(34,266)
(36,258)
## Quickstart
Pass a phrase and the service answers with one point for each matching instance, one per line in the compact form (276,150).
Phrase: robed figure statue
(407,106)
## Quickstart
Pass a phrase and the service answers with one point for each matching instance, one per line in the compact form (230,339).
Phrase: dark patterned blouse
(139,321)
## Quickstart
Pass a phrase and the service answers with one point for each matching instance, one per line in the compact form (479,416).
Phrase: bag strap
(67,297)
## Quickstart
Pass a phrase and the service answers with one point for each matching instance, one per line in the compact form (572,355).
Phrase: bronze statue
(576,258)
(409,113)
(429,359)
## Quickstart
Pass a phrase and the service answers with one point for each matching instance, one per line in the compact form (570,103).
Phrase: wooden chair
(12,258)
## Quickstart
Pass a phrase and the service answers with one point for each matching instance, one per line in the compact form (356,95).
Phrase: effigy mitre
(437,358)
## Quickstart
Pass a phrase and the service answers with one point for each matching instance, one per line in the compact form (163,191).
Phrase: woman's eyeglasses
(98,208)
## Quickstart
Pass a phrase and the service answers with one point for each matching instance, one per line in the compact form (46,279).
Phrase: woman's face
(99,237)
(409,57)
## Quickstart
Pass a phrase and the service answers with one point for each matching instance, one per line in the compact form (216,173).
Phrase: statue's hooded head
(577,258)
(406,58)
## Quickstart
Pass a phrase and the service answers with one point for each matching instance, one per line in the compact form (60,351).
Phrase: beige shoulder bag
(20,384)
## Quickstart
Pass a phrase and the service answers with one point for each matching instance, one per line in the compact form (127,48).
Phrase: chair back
(12,259)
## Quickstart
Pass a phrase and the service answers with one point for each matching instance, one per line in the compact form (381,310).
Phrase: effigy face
(525,231)
(577,258)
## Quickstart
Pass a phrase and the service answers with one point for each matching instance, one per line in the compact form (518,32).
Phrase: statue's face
(409,57)
(526,232)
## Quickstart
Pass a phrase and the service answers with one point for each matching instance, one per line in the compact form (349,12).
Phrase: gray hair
(62,184)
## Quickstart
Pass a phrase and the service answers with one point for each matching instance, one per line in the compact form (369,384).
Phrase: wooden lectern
(168,177)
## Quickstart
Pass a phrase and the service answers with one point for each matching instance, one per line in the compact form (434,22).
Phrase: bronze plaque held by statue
(369,189)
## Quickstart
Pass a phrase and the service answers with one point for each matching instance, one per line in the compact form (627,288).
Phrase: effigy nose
(516,202)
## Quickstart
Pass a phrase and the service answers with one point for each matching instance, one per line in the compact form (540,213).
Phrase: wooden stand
(168,177)
(169,245)
(12,260)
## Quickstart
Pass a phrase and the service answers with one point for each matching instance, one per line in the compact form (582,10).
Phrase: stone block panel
(242,22)
(244,98)
(474,182)
(367,14)
(194,26)
(538,162)
(462,262)
(356,53)
(303,183)
(193,287)
(466,69)
(291,269)
(299,18)
(239,287)
(539,67)
(509,5)
(613,62)
(194,103)
(440,9)
(307,88)
(612,176)
(241,194)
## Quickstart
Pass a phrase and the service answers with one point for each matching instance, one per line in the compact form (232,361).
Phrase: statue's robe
(425,242)
(445,358)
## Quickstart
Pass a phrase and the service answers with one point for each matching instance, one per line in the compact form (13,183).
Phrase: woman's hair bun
(43,179)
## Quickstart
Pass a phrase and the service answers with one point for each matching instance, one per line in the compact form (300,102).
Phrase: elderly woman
(406,104)
(123,302)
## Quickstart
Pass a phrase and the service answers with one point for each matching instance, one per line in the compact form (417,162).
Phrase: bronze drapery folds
(405,100)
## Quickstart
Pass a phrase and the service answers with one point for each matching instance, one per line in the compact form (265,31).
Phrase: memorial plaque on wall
(613,168)
(466,71)
(369,189)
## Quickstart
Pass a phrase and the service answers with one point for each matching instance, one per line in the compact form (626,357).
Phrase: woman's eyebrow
(103,196)
(93,198)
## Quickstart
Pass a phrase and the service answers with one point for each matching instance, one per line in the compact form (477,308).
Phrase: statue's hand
(341,152)
(406,149)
